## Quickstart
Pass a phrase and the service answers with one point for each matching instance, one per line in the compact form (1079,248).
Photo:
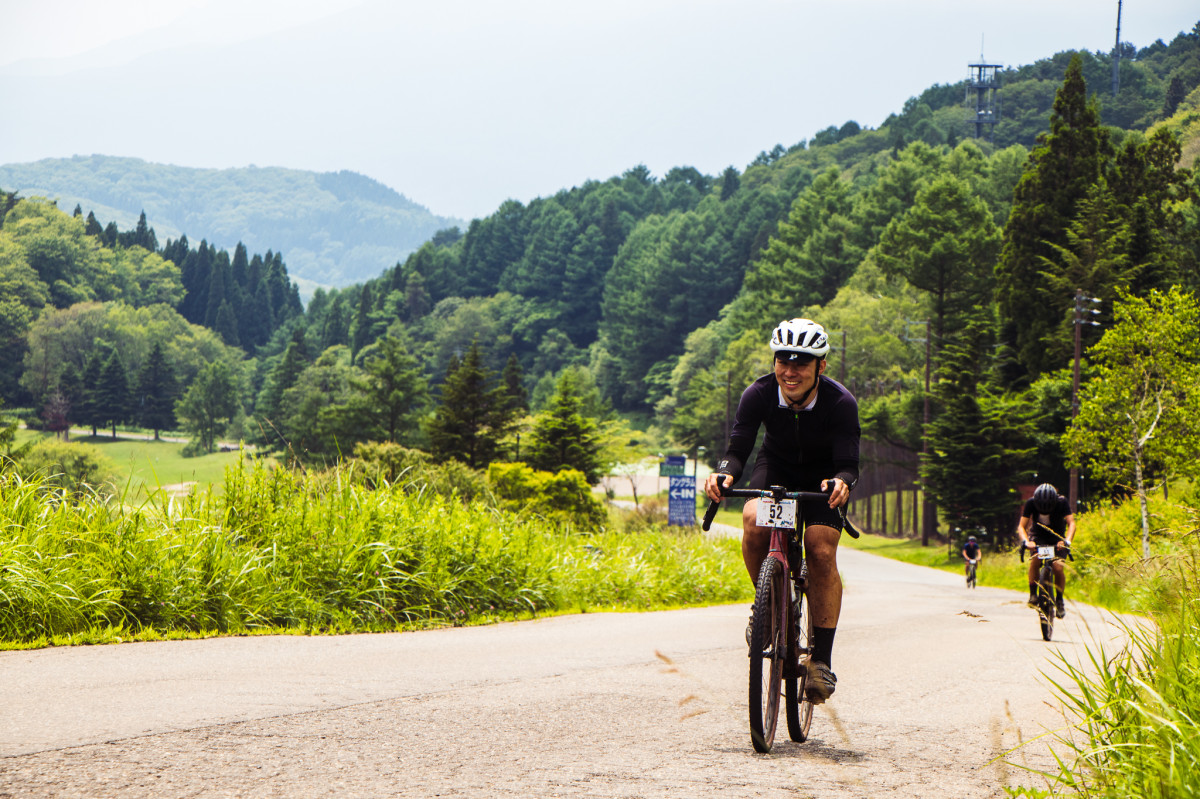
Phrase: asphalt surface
(937,683)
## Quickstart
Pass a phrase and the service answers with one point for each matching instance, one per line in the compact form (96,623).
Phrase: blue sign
(681,505)
(673,464)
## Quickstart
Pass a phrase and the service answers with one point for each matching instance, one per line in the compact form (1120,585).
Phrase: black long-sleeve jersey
(816,443)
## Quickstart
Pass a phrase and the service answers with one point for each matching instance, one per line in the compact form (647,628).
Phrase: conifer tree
(946,245)
(92,227)
(157,392)
(295,360)
(361,336)
(87,409)
(562,437)
(975,443)
(1061,171)
(395,390)
(226,325)
(471,419)
(113,394)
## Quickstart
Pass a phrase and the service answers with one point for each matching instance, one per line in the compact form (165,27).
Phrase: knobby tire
(1046,601)
(767,644)
(799,708)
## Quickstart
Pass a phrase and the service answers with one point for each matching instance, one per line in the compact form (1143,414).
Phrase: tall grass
(279,551)
(1134,714)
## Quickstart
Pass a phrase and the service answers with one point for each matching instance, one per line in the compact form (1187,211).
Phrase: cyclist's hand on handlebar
(713,484)
(839,492)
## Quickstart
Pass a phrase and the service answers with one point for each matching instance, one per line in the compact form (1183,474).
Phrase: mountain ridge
(333,228)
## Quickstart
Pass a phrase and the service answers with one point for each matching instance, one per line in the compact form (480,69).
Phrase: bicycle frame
(776,636)
(1046,555)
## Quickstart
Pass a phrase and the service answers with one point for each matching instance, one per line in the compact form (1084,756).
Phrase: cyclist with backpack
(810,444)
(1047,520)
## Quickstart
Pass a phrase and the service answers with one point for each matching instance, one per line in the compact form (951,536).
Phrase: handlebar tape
(709,514)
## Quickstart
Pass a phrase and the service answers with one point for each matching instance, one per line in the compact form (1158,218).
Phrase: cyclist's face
(797,377)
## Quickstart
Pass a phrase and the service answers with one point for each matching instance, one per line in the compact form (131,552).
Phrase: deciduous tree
(1142,401)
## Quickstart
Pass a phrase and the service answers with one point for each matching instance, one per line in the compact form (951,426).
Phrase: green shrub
(79,469)
(563,495)
(388,463)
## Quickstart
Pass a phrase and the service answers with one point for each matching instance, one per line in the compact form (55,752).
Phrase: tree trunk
(1141,490)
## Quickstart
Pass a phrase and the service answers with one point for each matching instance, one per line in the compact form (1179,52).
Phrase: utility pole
(1116,81)
(842,364)
(1080,299)
(728,380)
(929,511)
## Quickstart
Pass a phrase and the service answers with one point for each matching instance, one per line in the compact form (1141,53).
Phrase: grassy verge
(1135,712)
(322,553)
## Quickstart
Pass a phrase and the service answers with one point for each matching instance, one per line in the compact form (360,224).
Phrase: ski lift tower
(982,84)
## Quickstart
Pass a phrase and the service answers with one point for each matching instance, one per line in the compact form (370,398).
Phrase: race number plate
(777,513)
(1046,553)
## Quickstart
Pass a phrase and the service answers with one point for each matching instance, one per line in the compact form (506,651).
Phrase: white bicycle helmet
(800,337)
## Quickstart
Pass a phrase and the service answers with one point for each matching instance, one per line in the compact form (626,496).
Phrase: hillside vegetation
(335,228)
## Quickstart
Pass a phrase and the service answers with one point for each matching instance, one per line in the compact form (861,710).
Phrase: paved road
(935,683)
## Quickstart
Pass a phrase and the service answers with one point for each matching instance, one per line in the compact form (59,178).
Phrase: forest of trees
(548,331)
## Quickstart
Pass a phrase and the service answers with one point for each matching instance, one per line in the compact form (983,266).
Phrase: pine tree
(975,450)
(470,421)
(143,235)
(395,388)
(562,437)
(87,409)
(946,245)
(92,227)
(517,396)
(226,325)
(267,408)
(1060,173)
(113,394)
(362,322)
(157,392)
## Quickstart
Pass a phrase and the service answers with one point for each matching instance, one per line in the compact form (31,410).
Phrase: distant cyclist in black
(970,553)
(811,444)
(1046,520)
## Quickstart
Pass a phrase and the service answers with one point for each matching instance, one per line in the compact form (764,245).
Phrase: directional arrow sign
(681,502)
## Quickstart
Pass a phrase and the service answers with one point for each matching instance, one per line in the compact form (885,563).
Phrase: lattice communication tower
(983,82)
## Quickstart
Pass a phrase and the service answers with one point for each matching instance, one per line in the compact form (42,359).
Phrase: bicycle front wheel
(768,635)
(1046,602)
(799,708)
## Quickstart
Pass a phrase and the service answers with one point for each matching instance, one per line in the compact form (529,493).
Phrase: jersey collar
(783,403)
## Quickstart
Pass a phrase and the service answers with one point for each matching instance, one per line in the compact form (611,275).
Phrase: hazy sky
(460,104)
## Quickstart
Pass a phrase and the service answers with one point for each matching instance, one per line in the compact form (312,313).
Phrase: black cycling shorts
(813,511)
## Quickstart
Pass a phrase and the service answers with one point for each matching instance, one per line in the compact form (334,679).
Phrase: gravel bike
(781,628)
(972,564)
(1044,598)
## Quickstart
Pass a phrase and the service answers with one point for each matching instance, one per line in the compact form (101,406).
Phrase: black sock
(822,644)
(1032,589)
(1058,595)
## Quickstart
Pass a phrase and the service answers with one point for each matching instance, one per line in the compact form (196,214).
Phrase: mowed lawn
(145,466)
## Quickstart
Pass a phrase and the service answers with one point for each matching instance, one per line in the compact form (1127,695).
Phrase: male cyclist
(970,552)
(811,444)
(1047,520)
